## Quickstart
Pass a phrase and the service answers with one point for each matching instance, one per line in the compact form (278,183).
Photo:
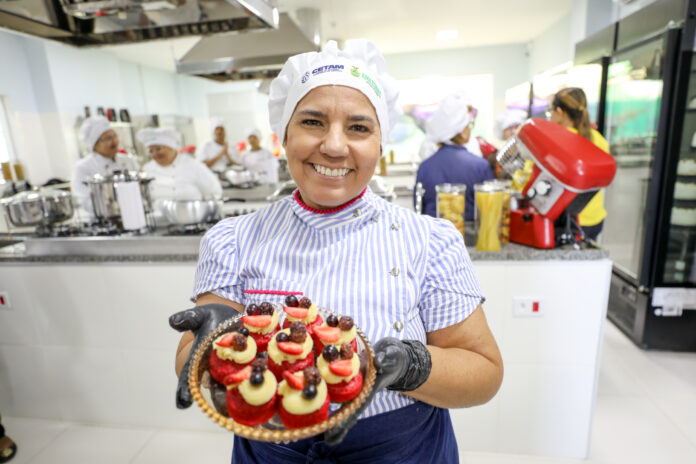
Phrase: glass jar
(451,202)
(487,216)
(508,192)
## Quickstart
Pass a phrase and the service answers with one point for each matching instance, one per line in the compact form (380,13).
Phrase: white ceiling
(397,26)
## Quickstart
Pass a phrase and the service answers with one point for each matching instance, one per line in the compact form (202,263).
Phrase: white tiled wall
(91,343)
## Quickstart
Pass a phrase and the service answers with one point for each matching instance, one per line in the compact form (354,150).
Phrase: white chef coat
(184,179)
(210,150)
(96,164)
(263,163)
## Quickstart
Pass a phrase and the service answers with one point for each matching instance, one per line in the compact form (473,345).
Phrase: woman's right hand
(200,321)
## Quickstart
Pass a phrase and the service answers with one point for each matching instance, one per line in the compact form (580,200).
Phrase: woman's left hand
(401,365)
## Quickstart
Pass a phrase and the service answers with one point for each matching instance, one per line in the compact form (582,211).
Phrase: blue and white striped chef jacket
(396,273)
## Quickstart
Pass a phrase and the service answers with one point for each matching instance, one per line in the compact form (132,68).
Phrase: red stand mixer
(568,171)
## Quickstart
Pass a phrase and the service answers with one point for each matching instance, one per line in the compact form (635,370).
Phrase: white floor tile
(185,447)
(633,430)
(82,444)
(488,458)
(31,435)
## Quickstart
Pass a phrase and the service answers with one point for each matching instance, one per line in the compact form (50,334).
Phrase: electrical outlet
(524,306)
(5,300)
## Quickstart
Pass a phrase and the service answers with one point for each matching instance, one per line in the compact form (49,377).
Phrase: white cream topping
(332,378)
(323,170)
(265,330)
(311,315)
(240,357)
(295,403)
(280,356)
(262,394)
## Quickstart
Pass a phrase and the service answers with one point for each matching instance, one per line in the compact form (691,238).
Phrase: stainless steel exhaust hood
(253,55)
(105,22)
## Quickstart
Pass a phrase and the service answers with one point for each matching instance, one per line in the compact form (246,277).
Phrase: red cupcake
(252,400)
(304,311)
(262,323)
(304,399)
(290,350)
(231,353)
(335,332)
(341,371)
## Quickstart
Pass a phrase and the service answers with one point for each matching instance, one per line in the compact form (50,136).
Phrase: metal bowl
(187,212)
(239,177)
(38,207)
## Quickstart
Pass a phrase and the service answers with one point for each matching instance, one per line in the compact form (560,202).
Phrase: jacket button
(356,213)
(395,226)
(375,218)
(394,271)
(398,326)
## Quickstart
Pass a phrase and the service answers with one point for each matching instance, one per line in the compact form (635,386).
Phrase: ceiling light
(447,34)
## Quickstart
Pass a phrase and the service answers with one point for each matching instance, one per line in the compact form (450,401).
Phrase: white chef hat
(215,123)
(449,119)
(253,131)
(160,136)
(507,119)
(359,65)
(93,128)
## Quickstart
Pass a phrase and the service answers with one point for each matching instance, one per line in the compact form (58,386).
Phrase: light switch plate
(527,306)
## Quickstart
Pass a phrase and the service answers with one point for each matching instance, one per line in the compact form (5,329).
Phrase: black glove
(402,365)
(201,320)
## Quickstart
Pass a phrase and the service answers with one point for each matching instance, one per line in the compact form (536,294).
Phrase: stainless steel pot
(187,212)
(240,177)
(38,207)
(102,190)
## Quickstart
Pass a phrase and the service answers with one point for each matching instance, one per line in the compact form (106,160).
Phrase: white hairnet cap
(253,131)
(215,123)
(359,65)
(93,128)
(167,137)
(507,119)
(449,119)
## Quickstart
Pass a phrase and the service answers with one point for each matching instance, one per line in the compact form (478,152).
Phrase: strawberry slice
(328,334)
(238,376)
(295,381)
(342,368)
(290,347)
(296,312)
(225,341)
(257,321)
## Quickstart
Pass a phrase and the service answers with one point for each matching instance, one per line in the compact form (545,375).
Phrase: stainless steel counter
(156,244)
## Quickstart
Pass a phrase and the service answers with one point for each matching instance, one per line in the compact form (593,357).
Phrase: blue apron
(416,434)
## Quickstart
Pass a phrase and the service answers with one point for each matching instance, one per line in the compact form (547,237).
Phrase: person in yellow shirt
(569,109)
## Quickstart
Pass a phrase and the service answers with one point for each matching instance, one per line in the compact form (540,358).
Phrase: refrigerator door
(679,266)
(634,95)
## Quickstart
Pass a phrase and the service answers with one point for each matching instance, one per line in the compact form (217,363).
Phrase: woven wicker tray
(210,395)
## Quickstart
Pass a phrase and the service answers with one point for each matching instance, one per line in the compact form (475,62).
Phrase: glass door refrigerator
(650,229)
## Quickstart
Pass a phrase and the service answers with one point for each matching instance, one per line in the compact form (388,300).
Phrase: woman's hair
(573,102)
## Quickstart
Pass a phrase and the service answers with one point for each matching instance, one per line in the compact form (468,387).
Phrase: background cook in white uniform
(176,176)
(259,160)
(97,134)
(215,153)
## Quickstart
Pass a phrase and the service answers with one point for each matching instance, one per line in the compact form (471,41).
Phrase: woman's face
(333,145)
(107,144)
(162,154)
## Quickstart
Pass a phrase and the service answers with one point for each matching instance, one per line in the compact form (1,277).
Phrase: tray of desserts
(275,381)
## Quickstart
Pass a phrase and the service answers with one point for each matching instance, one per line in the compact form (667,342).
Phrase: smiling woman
(406,280)
(332,145)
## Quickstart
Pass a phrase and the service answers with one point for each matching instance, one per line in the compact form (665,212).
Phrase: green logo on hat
(354,71)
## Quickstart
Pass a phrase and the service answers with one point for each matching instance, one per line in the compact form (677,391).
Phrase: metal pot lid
(34,195)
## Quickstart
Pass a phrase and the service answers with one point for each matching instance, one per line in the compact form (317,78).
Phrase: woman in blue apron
(406,280)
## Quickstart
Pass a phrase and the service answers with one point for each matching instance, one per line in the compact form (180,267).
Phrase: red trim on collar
(326,211)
